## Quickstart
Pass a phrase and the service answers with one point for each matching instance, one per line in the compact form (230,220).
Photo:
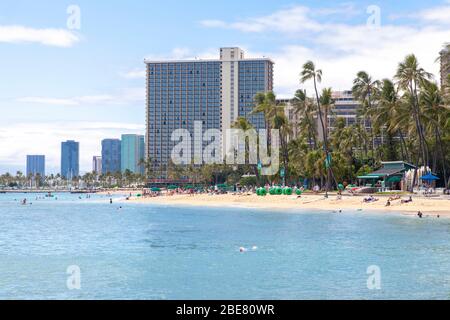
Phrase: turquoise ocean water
(166,252)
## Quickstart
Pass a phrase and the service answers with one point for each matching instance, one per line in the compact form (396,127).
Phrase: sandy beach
(428,206)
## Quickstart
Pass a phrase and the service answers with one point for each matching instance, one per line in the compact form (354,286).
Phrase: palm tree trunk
(325,142)
(403,148)
(372,137)
(441,147)
(419,125)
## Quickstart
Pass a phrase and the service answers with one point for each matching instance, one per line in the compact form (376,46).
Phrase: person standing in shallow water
(110,200)
(420,214)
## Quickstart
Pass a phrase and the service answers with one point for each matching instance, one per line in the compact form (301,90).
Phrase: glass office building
(97,164)
(70,159)
(111,155)
(36,165)
(213,92)
(132,152)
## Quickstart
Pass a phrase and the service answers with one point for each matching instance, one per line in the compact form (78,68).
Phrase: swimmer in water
(242,249)
(110,200)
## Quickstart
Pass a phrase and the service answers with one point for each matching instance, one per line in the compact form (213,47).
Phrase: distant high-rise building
(111,156)
(445,64)
(212,92)
(132,152)
(344,107)
(70,159)
(97,164)
(36,165)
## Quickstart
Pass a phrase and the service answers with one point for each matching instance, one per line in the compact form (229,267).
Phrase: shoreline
(428,206)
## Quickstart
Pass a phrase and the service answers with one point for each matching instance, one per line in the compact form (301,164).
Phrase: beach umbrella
(172,187)
(429,177)
(155,189)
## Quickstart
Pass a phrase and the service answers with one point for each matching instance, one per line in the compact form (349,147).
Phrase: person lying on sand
(397,197)
(407,201)
(370,199)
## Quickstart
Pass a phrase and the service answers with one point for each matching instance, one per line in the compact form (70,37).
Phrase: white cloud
(48,101)
(49,37)
(47,137)
(375,51)
(341,49)
(175,54)
(294,19)
(347,9)
(184,54)
(437,15)
(134,74)
(125,96)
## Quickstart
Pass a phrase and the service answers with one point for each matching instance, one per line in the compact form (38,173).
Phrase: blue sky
(87,84)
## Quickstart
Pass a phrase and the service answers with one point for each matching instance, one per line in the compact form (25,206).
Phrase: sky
(74,70)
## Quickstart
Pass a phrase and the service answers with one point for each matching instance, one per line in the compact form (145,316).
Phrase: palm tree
(345,141)
(383,115)
(444,59)
(435,114)
(30,179)
(304,109)
(19,178)
(265,103)
(281,123)
(149,167)
(364,88)
(409,76)
(244,125)
(128,175)
(174,172)
(309,72)
(327,103)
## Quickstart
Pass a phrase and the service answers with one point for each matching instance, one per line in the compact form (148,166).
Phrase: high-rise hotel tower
(213,92)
